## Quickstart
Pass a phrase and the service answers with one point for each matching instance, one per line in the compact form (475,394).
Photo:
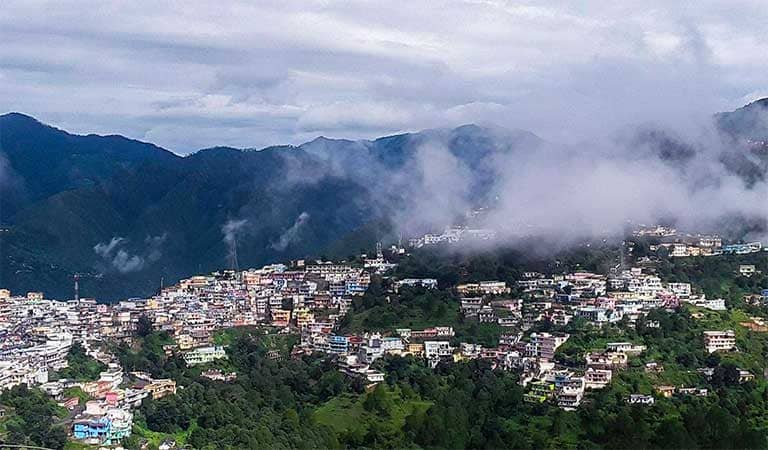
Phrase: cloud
(230,230)
(116,255)
(291,234)
(360,70)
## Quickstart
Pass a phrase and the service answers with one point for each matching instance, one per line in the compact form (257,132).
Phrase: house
(91,429)
(486,315)
(204,355)
(598,315)
(597,378)
(160,388)
(167,444)
(638,399)
(540,391)
(717,304)
(437,349)
(470,307)
(665,391)
(715,341)
(338,344)
(281,317)
(653,367)
(699,392)
(747,270)
(483,288)
(570,394)
(544,345)
(427,283)
(681,290)
(113,375)
(625,347)
(745,375)
(606,360)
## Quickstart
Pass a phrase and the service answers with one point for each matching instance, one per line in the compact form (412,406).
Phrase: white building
(204,355)
(715,341)
(544,345)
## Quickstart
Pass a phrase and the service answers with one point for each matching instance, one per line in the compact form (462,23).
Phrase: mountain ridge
(65,198)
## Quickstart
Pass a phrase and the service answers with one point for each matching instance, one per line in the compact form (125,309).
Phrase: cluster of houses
(679,245)
(565,386)
(36,333)
(310,299)
(106,417)
(453,235)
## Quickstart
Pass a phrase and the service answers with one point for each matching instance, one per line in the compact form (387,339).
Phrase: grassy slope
(345,414)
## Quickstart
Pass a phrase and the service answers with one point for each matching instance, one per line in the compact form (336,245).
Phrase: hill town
(535,321)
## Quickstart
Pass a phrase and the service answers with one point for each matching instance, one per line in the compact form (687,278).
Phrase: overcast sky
(193,74)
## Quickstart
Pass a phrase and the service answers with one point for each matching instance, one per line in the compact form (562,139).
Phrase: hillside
(126,214)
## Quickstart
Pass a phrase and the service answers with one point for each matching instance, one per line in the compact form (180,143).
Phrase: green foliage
(76,391)
(144,326)
(33,419)
(81,367)
(268,406)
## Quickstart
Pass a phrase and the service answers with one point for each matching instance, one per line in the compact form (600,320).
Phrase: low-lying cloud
(117,256)
(231,229)
(290,235)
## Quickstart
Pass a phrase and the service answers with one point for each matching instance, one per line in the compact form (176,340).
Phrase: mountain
(749,122)
(747,130)
(124,214)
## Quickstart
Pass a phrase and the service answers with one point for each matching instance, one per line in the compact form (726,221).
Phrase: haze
(195,74)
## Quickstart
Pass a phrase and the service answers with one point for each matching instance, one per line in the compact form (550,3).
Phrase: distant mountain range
(124,214)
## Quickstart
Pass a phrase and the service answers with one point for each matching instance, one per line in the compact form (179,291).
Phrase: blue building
(338,344)
(90,429)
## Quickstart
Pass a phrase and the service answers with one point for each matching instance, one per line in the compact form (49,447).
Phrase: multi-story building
(544,345)
(715,341)
(204,355)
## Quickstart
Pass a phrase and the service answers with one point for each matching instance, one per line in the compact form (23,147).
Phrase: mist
(686,173)
(116,254)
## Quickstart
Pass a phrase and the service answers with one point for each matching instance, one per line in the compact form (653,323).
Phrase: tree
(144,326)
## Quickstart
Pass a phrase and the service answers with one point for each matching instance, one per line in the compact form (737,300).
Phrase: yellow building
(303,317)
(185,342)
(281,317)
(416,350)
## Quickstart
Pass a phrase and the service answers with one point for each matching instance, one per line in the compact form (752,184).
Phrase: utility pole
(77,287)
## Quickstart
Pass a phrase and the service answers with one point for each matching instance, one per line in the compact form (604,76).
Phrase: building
(544,345)
(606,360)
(625,347)
(160,388)
(483,288)
(540,391)
(569,396)
(597,378)
(204,355)
(747,270)
(716,341)
(428,283)
(338,344)
(281,317)
(96,429)
(717,304)
(437,349)
(638,399)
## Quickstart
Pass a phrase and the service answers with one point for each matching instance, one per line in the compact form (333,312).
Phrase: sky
(194,74)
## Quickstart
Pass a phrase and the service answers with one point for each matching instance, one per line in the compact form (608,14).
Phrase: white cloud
(201,73)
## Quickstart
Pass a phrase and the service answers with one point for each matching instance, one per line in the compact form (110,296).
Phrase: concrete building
(715,341)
